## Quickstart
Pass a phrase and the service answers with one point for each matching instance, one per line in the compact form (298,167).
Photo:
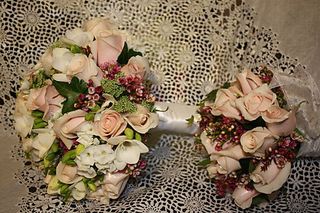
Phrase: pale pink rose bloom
(253,139)
(257,101)
(236,89)
(234,151)
(268,142)
(243,197)
(67,126)
(285,127)
(142,120)
(111,124)
(275,114)
(97,25)
(223,165)
(224,104)
(107,47)
(82,67)
(248,81)
(137,66)
(45,99)
(114,183)
(67,174)
(271,179)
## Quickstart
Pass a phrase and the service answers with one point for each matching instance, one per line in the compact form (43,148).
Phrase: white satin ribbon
(174,118)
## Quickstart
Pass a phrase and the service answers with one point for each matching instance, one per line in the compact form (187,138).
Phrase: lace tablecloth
(193,47)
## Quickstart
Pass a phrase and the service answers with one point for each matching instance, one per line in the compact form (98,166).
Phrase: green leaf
(38,80)
(245,164)
(148,105)
(211,96)
(126,54)
(261,198)
(69,156)
(89,116)
(190,120)
(70,92)
(205,162)
(37,113)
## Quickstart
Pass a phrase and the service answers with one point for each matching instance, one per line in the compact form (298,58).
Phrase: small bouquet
(251,138)
(84,110)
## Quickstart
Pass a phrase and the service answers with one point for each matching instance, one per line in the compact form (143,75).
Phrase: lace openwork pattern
(193,46)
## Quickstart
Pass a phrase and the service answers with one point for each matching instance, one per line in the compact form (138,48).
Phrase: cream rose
(107,47)
(223,165)
(110,124)
(22,116)
(46,99)
(257,101)
(142,120)
(234,152)
(285,127)
(74,64)
(248,81)
(67,174)
(271,179)
(275,114)
(243,197)
(254,139)
(114,183)
(224,104)
(137,66)
(67,126)
(79,37)
(46,59)
(41,144)
(98,25)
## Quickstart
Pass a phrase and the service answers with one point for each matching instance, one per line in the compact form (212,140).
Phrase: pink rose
(142,120)
(257,101)
(234,151)
(45,99)
(223,165)
(111,124)
(271,179)
(275,114)
(98,25)
(107,47)
(254,139)
(248,81)
(224,104)
(243,197)
(137,65)
(285,127)
(67,174)
(68,125)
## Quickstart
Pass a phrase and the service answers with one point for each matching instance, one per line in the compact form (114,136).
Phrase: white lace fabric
(193,47)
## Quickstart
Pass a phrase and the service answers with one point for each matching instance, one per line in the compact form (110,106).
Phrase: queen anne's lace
(193,47)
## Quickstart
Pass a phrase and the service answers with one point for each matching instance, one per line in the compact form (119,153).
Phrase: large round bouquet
(250,136)
(84,110)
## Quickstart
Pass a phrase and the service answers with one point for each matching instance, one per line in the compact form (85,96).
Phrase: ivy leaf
(204,162)
(70,92)
(261,198)
(126,54)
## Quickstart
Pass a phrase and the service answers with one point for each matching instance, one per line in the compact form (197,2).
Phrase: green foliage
(211,96)
(112,87)
(190,120)
(39,123)
(261,198)
(124,105)
(69,157)
(126,54)
(259,122)
(246,165)
(70,92)
(205,162)
(148,105)
(38,80)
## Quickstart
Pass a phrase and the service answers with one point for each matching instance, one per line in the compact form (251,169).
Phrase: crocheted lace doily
(193,47)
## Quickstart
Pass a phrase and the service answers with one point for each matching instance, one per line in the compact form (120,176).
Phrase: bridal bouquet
(250,136)
(84,110)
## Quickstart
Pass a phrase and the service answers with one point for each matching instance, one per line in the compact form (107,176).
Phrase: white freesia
(42,143)
(86,135)
(79,37)
(129,151)
(79,191)
(23,119)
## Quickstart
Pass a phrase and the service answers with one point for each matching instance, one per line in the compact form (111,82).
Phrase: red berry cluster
(88,101)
